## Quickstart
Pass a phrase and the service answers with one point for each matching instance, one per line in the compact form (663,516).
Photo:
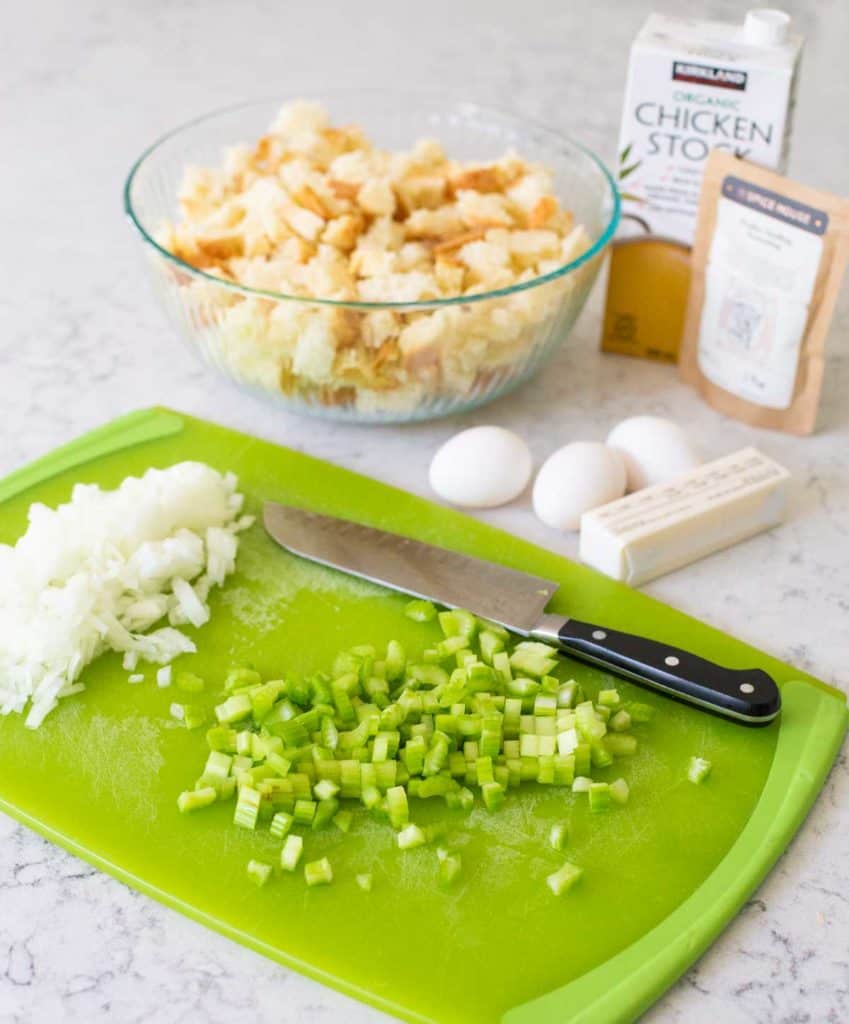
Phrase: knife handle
(747,695)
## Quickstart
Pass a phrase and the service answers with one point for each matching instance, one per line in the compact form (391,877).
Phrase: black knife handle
(748,695)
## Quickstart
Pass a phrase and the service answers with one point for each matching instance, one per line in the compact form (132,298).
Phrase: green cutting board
(662,875)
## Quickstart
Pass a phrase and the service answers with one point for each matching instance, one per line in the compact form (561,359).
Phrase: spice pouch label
(768,260)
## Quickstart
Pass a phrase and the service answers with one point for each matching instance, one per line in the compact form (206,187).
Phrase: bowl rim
(463,106)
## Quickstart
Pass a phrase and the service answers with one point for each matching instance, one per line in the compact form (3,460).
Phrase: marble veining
(84,87)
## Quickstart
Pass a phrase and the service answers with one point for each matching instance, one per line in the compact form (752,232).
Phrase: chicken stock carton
(693,86)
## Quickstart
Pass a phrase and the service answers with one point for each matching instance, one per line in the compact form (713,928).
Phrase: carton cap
(766,26)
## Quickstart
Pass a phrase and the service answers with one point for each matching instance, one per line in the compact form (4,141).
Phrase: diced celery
(450,866)
(532,659)
(325,789)
(588,722)
(234,709)
(522,687)
(427,675)
(258,872)
(512,716)
(247,807)
(218,764)
(382,731)
(545,727)
(245,744)
(370,796)
(490,645)
(325,811)
(458,622)
(490,743)
(301,785)
(599,793)
(397,807)
(582,759)
(411,836)
(380,749)
(640,712)
(226,788)
(437,754)
(291,852)
(546,746)
(467,799)
(567,695)
(300,692)
(619,791)
(434,785)
(567,741)
(558,836)
(304,811)
(620,722)
(493,796)
(528,745)
(564,769)
(600,754)
(545,705)
(280,764)
(420,611)
(620,744)
(501,665)
(414,754)
(239,678)
(240,764)
(698,770)
(329,733)
(318,872)
(342,820)
(281,823)
(194,799)
(448,647)
(562,881)
(219,737)
(545,769)
(396,660)
(550,686)
(480,677)
(465,657)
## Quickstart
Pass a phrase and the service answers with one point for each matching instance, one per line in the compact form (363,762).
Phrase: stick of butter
(660,528)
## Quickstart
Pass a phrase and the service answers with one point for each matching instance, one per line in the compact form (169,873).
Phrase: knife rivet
(746,688)
(672,660)
(599,634)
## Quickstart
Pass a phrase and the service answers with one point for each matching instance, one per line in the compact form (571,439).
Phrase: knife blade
(513,599)
(517,601)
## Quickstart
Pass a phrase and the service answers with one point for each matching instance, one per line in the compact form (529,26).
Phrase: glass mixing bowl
(482,345)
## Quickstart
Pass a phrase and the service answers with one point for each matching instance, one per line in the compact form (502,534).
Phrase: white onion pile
(93,574)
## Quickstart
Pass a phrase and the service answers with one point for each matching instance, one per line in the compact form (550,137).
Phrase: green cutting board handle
(813,727)
(132,429)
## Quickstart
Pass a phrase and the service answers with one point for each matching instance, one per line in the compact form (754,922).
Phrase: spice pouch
(768,258)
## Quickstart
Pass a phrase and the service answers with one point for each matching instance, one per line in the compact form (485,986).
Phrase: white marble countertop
(83,88)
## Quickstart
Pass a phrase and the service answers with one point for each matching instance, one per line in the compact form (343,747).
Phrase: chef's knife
(517,601)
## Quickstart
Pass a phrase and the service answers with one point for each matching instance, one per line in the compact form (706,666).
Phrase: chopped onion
(99,571)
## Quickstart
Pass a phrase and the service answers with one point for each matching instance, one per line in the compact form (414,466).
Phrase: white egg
(655,450)
(581,476)
(481,467)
